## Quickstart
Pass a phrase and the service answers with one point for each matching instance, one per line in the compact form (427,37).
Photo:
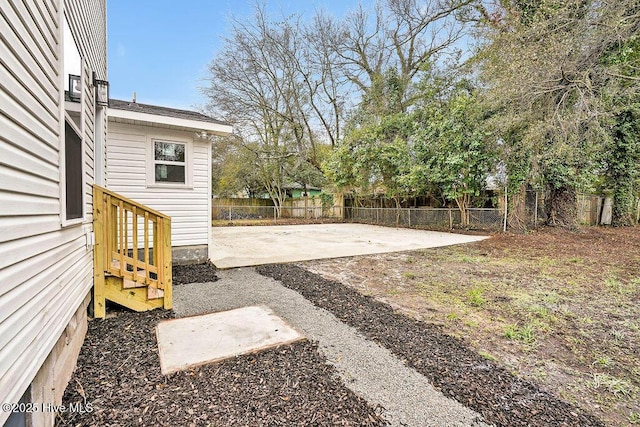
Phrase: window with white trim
(72,144)
(74,196)
(169,162)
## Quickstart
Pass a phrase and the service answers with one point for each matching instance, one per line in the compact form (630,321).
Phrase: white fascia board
(215,128)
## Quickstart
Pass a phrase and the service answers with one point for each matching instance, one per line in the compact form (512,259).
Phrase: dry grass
(560,308)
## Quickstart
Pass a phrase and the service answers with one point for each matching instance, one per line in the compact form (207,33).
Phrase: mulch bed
(449,364)
(118,373)
(194,273)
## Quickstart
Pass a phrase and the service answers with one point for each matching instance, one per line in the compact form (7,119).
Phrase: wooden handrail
(131,202)
(119,252)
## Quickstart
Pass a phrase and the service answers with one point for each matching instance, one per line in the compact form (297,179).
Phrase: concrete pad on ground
(257,245)
(193,341)
(404,396)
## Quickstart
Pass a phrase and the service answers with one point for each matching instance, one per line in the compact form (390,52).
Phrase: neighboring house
(51,153)
(161,157)
(296,191)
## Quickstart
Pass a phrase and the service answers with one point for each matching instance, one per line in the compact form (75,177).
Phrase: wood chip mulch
(449,364)
(118,373)
(193,273)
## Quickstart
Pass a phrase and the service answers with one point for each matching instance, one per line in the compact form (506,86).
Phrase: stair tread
(127,284)
(141,272)
(153,292)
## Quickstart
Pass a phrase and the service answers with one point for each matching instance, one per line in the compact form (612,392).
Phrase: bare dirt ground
(559,308)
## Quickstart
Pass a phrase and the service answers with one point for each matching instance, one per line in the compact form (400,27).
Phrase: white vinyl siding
(127,173)
(45,270)
(87,20)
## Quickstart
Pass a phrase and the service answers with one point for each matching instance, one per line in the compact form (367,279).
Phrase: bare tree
(405,35)
(288,86)
(258,84)
(244,89)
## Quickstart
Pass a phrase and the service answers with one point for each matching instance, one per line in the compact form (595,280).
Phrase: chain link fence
(486,218)
(534,210)
(589,211)
(271,213)
(437,218)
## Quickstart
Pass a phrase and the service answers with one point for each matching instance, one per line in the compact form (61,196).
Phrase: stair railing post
(146,248)
(121,243)
(134,218)
(159,249)
(99,211)
(167,266)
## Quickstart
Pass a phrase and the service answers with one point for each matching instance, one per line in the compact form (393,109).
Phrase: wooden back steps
(132,254)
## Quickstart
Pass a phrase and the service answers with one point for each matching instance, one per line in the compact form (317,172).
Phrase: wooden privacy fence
(589,208)
(271,213)
(133,245)
(230,209)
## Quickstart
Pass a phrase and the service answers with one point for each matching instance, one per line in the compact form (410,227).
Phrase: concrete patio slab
(257,245)
(193,341)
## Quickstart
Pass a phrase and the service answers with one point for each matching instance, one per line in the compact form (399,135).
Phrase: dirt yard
(559,308)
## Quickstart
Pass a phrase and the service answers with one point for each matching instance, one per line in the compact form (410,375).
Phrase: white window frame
(62,162)
(151,162)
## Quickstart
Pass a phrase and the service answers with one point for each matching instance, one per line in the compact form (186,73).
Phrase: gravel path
(450,365)
(118,374)
(371,371)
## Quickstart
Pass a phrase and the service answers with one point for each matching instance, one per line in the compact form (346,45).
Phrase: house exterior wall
(299,194)
(129,172)
(46,270)
(88,23)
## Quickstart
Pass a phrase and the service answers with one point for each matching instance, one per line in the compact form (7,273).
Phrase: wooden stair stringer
(136,299)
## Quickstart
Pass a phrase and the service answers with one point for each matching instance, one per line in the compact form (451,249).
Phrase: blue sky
(161,48)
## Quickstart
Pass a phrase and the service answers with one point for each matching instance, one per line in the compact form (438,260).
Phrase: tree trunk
(561,207)
(517,213)
(623,205)
(463,204)
(278,209)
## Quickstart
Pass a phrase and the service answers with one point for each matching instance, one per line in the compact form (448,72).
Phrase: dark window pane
(19,419)
(73,172)
(170,173)
(169,151)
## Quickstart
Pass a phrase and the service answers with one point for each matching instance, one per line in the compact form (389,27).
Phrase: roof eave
(167,121)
